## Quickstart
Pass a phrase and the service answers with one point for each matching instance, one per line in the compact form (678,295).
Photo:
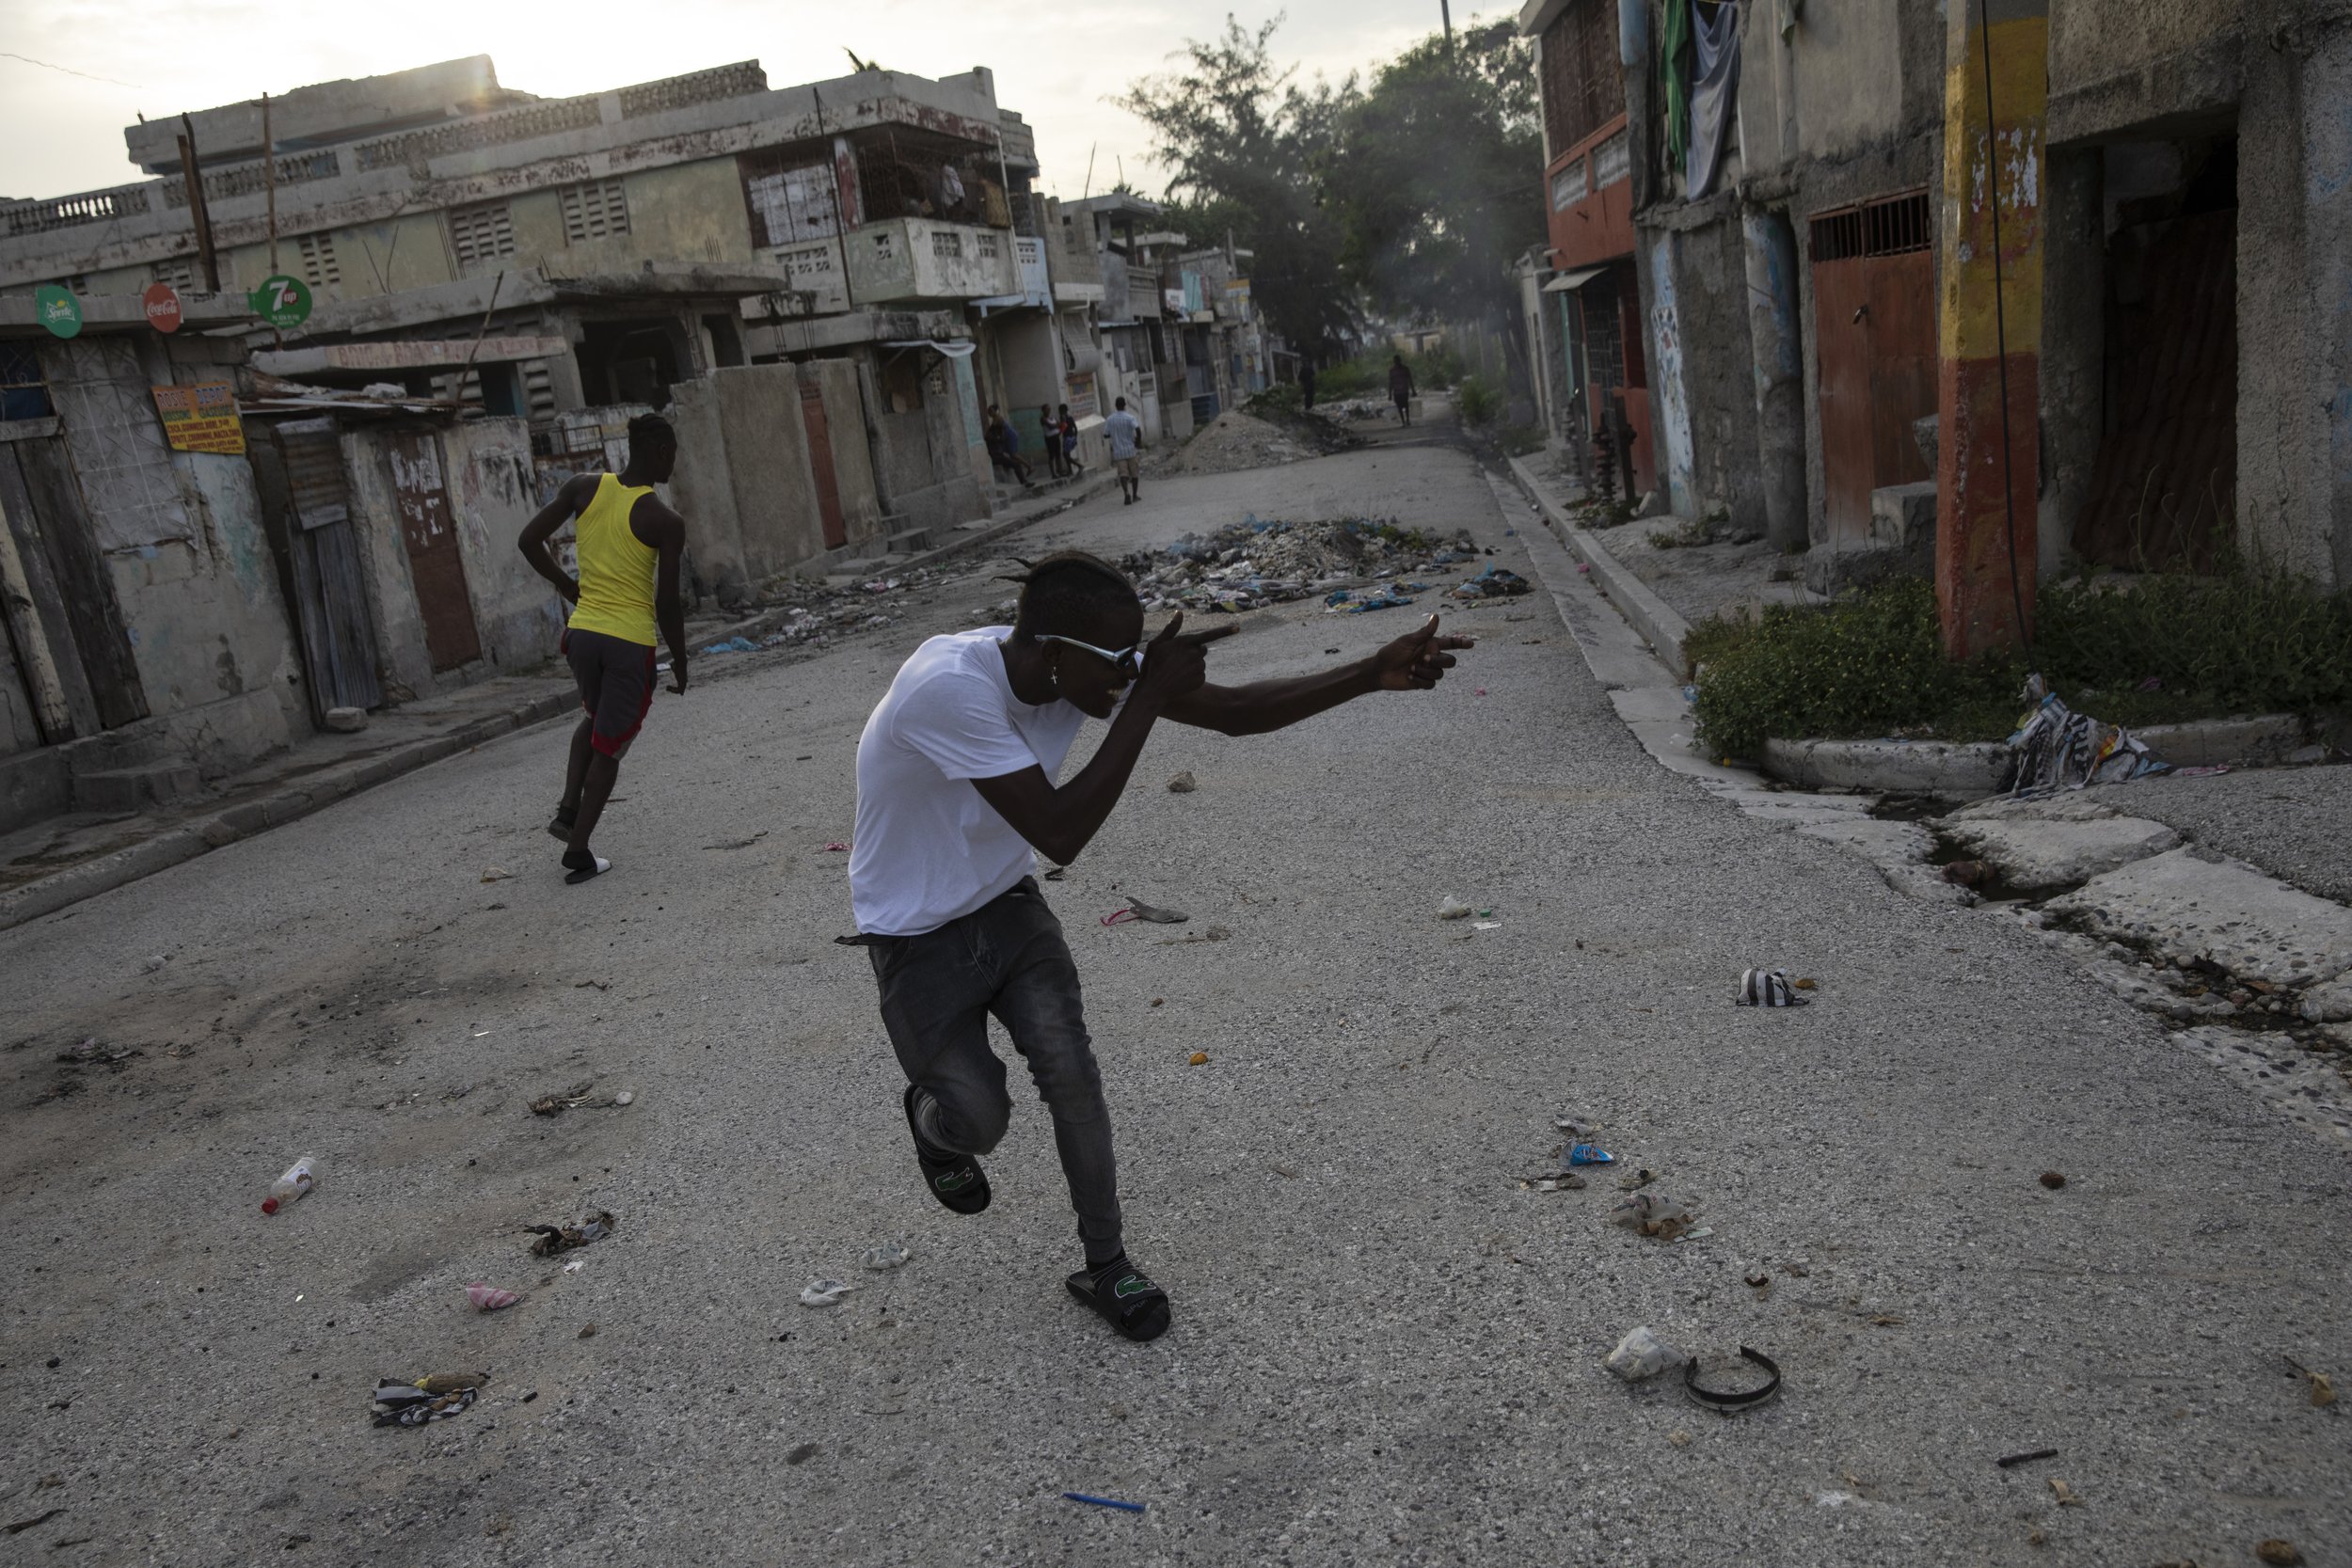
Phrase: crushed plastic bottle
(299,1179)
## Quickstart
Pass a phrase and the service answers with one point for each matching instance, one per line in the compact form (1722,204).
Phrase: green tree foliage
(1434,174)
(1243,140)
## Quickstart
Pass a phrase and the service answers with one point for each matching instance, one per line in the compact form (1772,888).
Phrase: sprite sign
(57,308)
(281,301)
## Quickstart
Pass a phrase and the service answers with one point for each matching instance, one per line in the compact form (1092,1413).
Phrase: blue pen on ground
(1103,1502)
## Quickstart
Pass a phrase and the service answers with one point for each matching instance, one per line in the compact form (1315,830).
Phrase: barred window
(482,232)
(1582,87)
(594,210)
(319,268)
(1569,186)
(946,244)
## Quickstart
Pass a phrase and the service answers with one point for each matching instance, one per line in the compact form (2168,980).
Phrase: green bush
(1279,401)
(1477,401)
(1519,439)
(1872,663)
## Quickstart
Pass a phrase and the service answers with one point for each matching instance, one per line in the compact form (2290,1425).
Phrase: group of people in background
(1058,432)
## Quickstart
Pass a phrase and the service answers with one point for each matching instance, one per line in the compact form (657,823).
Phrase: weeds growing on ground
(1478,401)
(2160,649)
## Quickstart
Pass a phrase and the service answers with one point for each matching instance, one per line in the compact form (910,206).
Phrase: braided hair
(1069,594)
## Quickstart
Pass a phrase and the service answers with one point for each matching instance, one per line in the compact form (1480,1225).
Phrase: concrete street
(1386,1348)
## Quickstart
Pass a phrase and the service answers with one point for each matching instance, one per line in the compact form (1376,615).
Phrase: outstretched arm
(1414,662)
(570,502)
(1059,821)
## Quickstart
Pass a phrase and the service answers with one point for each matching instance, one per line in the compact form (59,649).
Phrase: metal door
(429,534)
(1874,328)
(821,462)
(330,582)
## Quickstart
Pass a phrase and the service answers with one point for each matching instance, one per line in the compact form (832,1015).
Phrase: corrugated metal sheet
(2161,493)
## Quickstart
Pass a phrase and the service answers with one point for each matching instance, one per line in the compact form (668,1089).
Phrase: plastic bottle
(299,1179)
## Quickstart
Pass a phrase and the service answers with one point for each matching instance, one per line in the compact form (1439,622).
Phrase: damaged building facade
(1771,255)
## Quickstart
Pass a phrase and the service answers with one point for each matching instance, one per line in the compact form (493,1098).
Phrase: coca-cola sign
(163,307)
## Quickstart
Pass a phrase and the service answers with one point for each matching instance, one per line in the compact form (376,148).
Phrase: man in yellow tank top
(628,549)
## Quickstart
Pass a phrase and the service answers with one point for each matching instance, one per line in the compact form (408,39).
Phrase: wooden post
(1988,383)
(22,618)
(269,181)
(194,173)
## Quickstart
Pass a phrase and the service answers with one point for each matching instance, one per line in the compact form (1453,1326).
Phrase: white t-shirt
(926,849)
(1123,428)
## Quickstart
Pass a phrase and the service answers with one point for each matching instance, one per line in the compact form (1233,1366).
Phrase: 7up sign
(281,301)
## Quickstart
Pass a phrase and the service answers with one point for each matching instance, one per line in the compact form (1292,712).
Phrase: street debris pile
(1259,561)
(1234,440)
(813,612)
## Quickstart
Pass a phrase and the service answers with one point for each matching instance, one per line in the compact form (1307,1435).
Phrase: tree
(1244,141)
(1434,175)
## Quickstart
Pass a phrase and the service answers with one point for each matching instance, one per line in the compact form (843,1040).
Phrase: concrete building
(1809,196)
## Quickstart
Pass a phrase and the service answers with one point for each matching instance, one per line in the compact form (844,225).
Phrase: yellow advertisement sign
(202,417)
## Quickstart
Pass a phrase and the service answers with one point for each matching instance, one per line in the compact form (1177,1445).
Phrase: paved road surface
(1391,1355)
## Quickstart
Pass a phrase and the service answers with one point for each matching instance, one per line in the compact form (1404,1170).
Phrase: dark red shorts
(615,678)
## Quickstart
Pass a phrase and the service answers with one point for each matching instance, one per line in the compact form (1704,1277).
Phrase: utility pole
(194,174)
(1445,11)
(269,183)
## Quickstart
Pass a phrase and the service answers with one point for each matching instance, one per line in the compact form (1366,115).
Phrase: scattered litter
(576,1265)
(1634,1181)
(489,1298)
(1640,1355)
(733,645)
(1768,988)
(1453,909)
(1103,1502)
(1566,1182)
(1575,1127)
(495,875)
(1182,784)
(887,1256)
(553,1239)
(837,847)
(2281,1554)
(1486,926)
(92,1054)
(1757,1278)
(1138,910)
(2064,1494)
(1837,1500)
(1384,599)
(1727,1401)
(300,1177)
(1199,1058)
(2052,1180)
(1807,983)
(1255,563)
(2056,748)
(825,1292)
(1590,1154)
(627,1097)
(577,1098)
(2323,1387)
(426,1399)
(1652,1215)
(587,1331)
(2010,1461)
(1495,582)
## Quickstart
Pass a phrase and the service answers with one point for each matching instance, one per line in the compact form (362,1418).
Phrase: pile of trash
(1260,561)
(815,611)
(1234,440)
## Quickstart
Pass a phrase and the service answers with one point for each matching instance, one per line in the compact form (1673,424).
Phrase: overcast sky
(1056,64)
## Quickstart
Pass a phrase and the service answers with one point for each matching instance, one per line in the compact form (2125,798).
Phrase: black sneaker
(956,1179)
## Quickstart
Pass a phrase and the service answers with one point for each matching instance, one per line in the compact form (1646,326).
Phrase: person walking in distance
(1123,430)
(1401,390)
(956,796)
(628,549)
(1307,383)
(1068,432)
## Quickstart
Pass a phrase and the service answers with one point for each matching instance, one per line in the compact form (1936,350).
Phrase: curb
(247,818)
(1978,768)
(1648,614)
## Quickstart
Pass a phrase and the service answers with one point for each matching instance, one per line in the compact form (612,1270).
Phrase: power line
(68,70)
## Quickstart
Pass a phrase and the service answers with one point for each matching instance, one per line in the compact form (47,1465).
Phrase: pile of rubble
(795,612)
(1234,440)
(1259,561)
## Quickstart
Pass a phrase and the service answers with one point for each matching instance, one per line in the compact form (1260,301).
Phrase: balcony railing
(815,269)
(920,259)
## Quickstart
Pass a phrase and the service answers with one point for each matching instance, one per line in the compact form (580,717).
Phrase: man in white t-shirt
(956,793)
(1123,430)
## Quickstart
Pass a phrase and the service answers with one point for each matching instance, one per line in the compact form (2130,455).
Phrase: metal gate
(1874,325)
(2165,480)
(429,534)
(821,462)
(331,580)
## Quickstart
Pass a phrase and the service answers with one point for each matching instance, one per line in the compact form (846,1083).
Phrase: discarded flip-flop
(1119,918)
(555,1239)
(1768,988)
(426,1399)
(824,1292)
(1731,1402)
(1590,1154)
(489,1298)
(1156,915)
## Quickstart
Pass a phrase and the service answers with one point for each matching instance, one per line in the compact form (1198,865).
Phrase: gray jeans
(1007,958)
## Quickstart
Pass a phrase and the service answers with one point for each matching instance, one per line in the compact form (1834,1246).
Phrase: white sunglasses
(1128,662)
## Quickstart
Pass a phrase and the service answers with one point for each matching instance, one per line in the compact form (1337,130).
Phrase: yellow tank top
(616,568)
